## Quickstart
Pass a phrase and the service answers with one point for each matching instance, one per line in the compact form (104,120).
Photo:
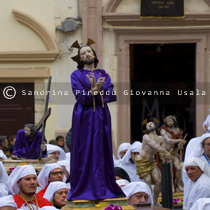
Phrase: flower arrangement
(113,207)
(177,202)
(11,170)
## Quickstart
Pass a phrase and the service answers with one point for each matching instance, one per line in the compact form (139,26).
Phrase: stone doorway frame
(29,75)
(122,50)
(130,29)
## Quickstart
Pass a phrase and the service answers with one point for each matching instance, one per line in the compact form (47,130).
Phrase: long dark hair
(80,63)
(33,129)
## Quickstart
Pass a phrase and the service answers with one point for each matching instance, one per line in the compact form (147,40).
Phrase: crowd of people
(95,173)
(7,145)
(51,186)
(27,188)
(195,173)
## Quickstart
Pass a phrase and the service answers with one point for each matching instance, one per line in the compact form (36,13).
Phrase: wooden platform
(38,164)
(98,205)
(102,204)
(176,195)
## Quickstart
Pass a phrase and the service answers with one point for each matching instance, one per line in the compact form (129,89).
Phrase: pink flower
(113,207)
(175,201)
(11,170)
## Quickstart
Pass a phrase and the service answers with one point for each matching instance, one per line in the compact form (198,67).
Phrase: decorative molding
(121,19)
(43,34)
(28,75)
(92,26)
(208,2)
(38,28)
(122,41)
(11,56)
(111,6)
(130,29)
(133,19)
(17,74)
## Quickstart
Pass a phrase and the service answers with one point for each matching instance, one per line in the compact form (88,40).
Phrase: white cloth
(194,161)
(116,161)
(45,172)
(18,173)
(66,164)
(130,168)
(68,185)
(122,182)
(201,204)
(122,147)
(52,188)
(114,158)
(25,207)
(3,174)
(38,189)
(4,190)
(205,123)
(2,155)
(125,163)
(68,156)
(193,149)
(52,148)
(8,201)
(48,208)
(204,160)
(196,190)
(135,147)
(135,187)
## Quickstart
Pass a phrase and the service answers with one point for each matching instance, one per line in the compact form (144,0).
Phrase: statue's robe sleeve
(22,149)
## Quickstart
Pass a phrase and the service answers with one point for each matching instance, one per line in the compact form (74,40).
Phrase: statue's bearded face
(87,55)
(170,122)
(150,127)
(27,131)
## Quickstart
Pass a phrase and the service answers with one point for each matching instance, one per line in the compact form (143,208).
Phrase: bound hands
(43,147)
(181,144)
(96,86)
(167,156)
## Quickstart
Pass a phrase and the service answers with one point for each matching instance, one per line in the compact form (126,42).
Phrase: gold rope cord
(37,207)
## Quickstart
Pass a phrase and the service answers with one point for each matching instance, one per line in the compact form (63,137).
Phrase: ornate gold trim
(43,34)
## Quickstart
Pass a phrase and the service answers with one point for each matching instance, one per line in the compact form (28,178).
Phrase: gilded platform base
(97,205)
(38,164)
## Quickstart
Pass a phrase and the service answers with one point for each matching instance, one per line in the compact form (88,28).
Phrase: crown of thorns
(76,45)
(170,116)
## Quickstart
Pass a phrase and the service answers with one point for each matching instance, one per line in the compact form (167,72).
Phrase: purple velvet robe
(92,169)
(21,148)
